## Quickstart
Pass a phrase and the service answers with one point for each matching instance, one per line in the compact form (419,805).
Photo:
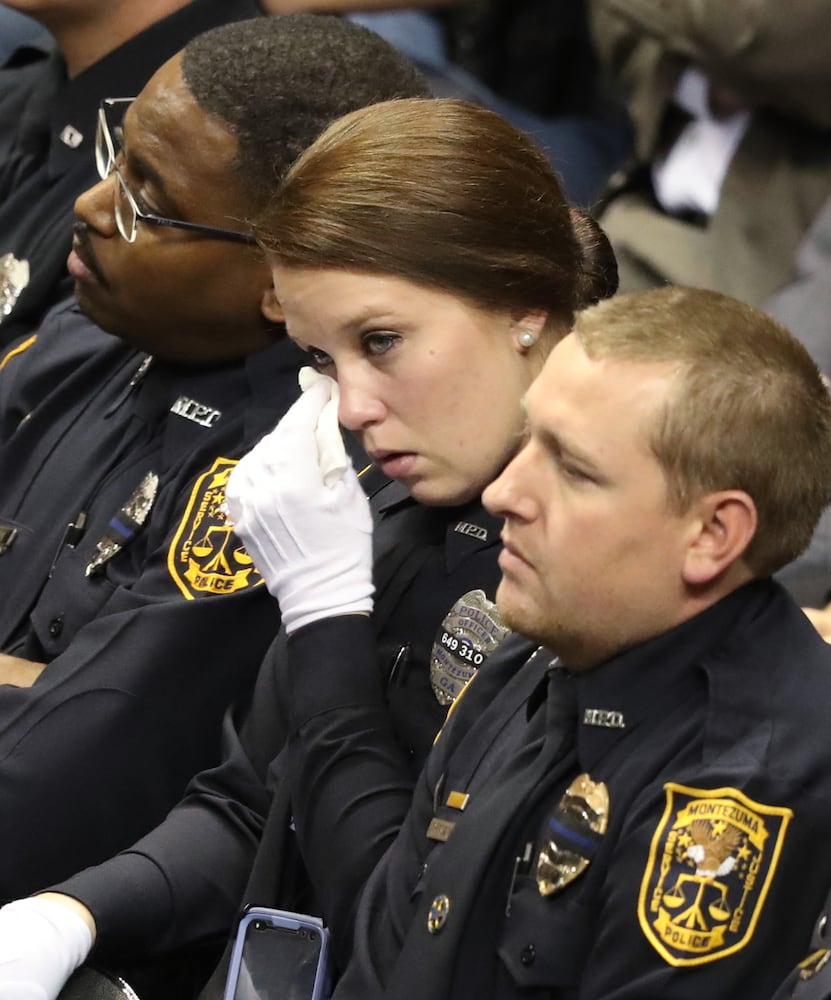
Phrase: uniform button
(528,954)
(437,915)
(56,626)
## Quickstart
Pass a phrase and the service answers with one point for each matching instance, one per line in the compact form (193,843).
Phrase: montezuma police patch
(205,556)
(712,859)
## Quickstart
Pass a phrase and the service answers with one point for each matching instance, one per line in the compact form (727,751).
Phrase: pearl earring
(527,339)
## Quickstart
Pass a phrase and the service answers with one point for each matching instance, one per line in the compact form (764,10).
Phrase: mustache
(82,245)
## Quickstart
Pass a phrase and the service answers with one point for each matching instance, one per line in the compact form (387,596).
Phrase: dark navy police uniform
(711,742)
(185,881)
(119,572)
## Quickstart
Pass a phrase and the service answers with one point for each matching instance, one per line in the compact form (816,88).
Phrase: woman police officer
(423,262)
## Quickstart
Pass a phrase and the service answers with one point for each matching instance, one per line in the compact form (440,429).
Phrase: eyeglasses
(108,152)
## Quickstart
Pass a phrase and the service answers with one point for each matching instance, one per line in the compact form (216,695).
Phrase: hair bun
(598,273)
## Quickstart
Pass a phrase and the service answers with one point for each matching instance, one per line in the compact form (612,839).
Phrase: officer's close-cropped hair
(277,82)
(446,194)
(749,409)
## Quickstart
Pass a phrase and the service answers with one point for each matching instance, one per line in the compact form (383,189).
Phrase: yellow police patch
(205,556)
(710,866)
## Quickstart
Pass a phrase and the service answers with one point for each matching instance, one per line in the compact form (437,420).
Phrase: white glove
(42,943)
(296,503)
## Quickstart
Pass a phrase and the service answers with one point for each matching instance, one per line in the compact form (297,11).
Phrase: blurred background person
(804,306)
(531,61)
(48,116)
(732,165)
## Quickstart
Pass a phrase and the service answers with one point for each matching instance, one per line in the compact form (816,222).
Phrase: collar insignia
(70,136)
(199,413)
(604,718)
(474,530)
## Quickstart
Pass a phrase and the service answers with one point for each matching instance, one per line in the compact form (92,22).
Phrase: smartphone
(279,956)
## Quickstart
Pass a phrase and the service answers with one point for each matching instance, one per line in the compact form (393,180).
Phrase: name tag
(199,413)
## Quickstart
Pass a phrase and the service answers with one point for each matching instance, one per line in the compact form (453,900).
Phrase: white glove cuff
(43,943)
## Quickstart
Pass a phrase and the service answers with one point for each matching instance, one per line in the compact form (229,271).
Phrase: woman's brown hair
(446,194)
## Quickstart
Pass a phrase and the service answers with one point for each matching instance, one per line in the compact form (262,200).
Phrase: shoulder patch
(712,859)
(205,556)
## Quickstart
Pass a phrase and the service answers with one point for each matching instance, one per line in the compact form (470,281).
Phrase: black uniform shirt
(145,652)
(46,157)
(712,743)
(186,879)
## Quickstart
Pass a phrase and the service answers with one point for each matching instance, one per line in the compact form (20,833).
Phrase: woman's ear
(527,328)
(723,528)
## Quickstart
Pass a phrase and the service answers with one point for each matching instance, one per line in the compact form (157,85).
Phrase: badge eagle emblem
(711,863)
(205,556)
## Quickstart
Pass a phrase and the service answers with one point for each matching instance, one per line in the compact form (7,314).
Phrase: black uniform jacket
(186,880)
(713,744)
(145,652)
(47,141)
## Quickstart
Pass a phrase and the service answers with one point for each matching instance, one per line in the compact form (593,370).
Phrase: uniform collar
(469,529)
(261,387)
(652,679)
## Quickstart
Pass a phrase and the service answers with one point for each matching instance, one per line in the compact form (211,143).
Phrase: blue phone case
(243,975)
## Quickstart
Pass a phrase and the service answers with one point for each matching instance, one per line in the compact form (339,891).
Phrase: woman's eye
(575,473)
(379,343)
(320,359)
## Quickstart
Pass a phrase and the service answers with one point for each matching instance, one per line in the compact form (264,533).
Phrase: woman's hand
(296,503)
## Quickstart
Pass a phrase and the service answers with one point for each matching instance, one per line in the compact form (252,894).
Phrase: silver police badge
(124,525)
(14,277)
(471,630)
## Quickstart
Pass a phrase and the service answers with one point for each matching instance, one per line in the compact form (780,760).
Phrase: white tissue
(331,453)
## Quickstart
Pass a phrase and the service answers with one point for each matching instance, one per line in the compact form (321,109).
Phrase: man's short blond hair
(749,411)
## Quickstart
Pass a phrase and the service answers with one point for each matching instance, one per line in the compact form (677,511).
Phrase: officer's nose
(96,207)
(360,404)
(511,494)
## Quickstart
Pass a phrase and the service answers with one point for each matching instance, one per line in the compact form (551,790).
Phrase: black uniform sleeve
(350,780)
(97,751)
(184,881)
